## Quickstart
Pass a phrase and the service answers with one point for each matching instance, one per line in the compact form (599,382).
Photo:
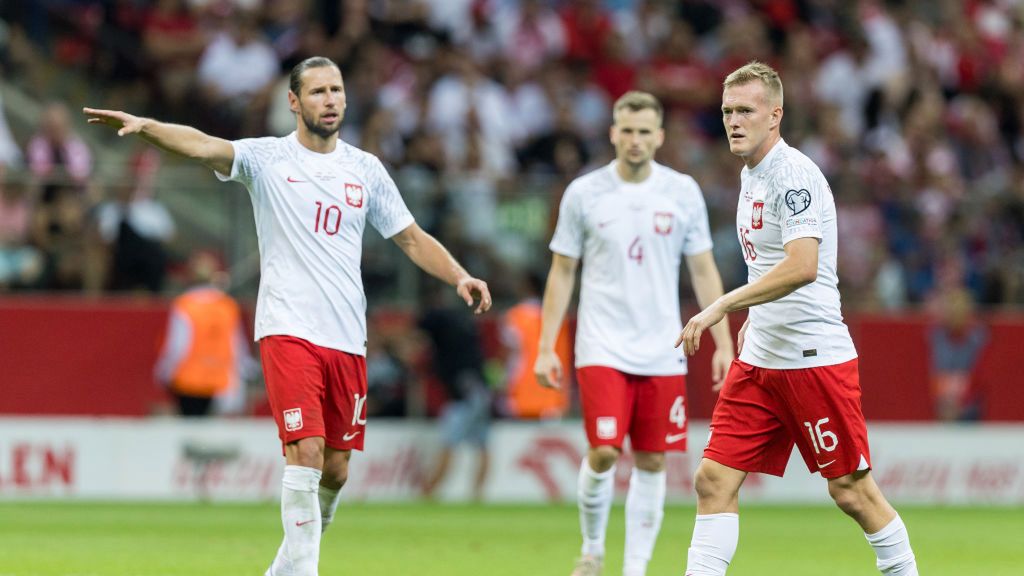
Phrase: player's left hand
(690,336)
(467,286)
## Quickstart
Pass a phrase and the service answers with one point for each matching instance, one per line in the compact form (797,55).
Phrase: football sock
(594,495)
(892,547)
(645,507)
(713,544)
(300,514)
(328,505)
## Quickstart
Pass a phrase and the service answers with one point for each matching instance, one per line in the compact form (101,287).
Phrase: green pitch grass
(81,539)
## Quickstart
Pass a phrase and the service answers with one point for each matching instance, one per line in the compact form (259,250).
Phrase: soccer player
(631,222)
(312,197)
(796,378)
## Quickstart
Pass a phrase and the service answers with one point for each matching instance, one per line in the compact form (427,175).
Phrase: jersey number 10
(328,220)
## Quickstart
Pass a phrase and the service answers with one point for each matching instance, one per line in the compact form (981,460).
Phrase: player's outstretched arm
(427,253)
(707,286)
(215,153)
(798,268)
(557,291)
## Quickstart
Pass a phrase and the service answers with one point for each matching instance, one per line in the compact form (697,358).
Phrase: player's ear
(776,116)
(293,102)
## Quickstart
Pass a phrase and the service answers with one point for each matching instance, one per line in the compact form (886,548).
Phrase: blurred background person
(458,363)
(956,343)
(525,398)
(205,358)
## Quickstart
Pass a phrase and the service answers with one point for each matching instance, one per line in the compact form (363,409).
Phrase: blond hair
(755,71)
(635,101)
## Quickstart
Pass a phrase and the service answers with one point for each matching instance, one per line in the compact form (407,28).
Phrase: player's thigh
(825,417)
(607,401)
(294,376)
(746,431)
(659,414)
(344,400)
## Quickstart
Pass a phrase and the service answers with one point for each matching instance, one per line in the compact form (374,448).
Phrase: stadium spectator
(632,222)
(59,232)
(458,362)
(956,343)
(236,71)
(797,366)
(56,155)
(205,359)
(310,316)
(21,264)
(135,229)
(172,40)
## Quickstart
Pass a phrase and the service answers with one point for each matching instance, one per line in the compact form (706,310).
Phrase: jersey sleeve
(801,195)
(251,154)
(386,211)
(698,235)
(568,237)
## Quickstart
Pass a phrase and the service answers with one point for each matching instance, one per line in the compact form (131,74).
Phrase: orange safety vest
(209,365)
(527,398)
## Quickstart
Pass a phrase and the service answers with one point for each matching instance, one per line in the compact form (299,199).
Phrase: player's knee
(847,495)
(307,452)
(602,458)
(650,461)
(712,486)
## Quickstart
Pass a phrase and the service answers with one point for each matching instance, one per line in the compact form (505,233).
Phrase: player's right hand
(548,369)
(124,123)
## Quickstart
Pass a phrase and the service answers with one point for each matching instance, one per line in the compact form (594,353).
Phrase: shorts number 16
(823,438)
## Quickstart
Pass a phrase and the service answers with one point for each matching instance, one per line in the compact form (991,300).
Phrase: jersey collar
(765,162)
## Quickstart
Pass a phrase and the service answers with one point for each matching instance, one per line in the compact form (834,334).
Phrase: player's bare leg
(645,508)
(716,531)
(860,498)
(595,489)
(483,466)
(299,554)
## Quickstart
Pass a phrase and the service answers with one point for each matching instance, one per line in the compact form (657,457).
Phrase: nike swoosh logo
(826,464)
(303,523)
(348,436)
(294,181)
(673,438)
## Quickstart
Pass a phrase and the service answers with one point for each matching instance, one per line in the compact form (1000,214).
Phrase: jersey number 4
(636,251)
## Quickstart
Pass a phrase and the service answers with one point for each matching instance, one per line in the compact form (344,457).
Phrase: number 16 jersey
(310,211)
(631,238)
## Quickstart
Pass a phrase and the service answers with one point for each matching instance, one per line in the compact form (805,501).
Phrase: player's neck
(754,159)
(632,172)
(317,143)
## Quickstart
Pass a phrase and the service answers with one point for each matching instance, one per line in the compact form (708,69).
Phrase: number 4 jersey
(783,198)
(310,212)
(631,238)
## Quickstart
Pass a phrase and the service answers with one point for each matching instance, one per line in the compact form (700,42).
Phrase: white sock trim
(301,478)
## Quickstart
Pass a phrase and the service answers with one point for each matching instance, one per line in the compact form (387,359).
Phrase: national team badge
(607,427)
(293,419)
(755,215)
(663,223)
(354,195)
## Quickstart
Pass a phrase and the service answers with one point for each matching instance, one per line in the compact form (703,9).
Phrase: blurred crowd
(485,109)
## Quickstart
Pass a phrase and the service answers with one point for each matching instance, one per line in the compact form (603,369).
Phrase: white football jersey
(783,198)
(631,238)
(310,212)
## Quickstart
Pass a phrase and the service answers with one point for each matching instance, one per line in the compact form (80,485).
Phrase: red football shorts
(315,391)
(762,412)
(651,409)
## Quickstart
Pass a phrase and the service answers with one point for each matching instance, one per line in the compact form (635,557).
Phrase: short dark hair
(295,78)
